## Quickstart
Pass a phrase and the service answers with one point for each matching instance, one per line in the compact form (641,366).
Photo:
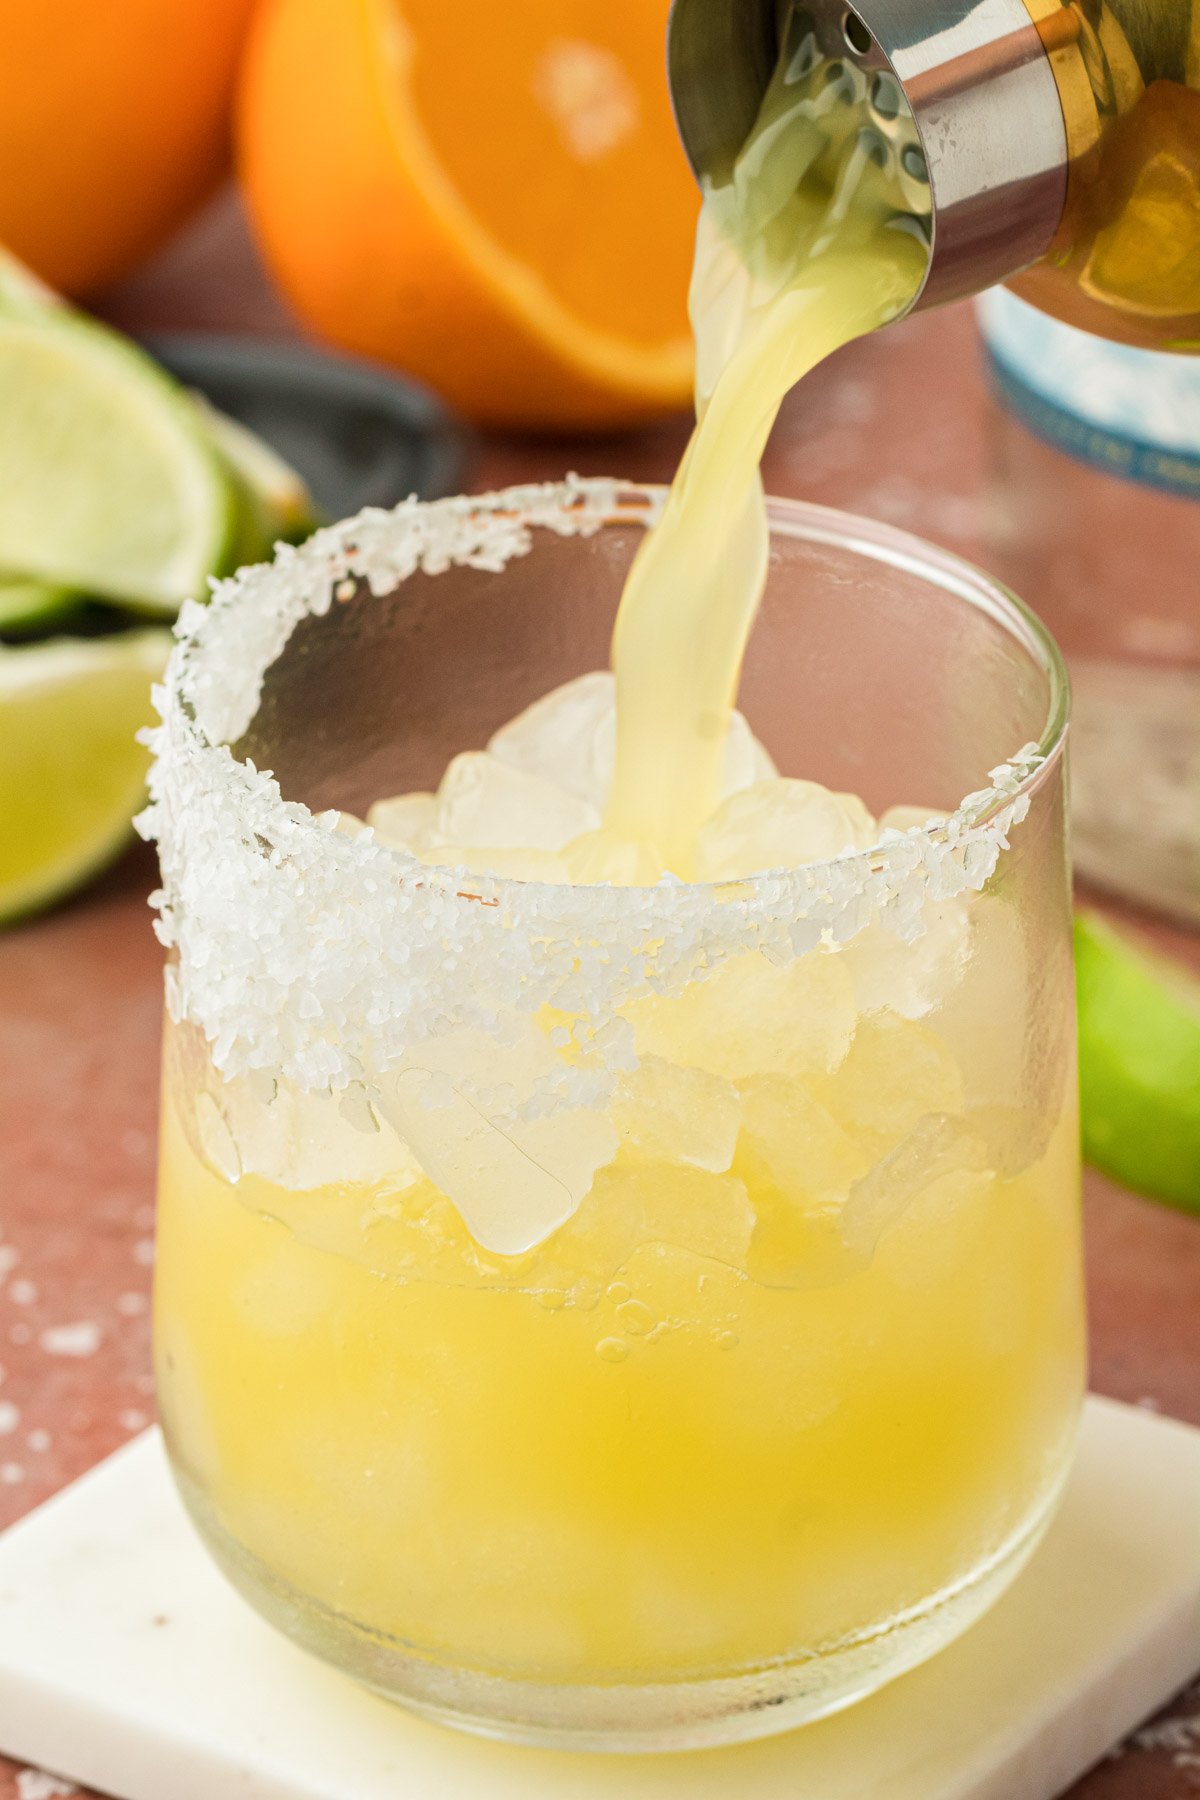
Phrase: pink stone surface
(894,428)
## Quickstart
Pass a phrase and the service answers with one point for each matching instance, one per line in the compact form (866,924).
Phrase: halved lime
(73,772)
(1139,1064)
(25,603)
(108,480)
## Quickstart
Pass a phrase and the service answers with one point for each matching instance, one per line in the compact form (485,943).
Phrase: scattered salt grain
(11,1474)
(36,1784)
(10,1256)
(1179,1738)
(79,1339)
(143,1252)
(23,1292)
(39,1441)
(10,1418)
(132,1306)
(132,1419)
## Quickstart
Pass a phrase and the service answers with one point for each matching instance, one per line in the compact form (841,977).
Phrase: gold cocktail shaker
(1061,138)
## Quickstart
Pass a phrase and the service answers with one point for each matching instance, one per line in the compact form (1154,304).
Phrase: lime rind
(273,504)
(278,494)
(26,604)
(75,773)
(1139,1057)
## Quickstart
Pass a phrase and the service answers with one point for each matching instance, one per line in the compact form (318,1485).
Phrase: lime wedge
(273,501)
(25,603)
(1139,1064)
(273,482)
(74,774)
(108,481)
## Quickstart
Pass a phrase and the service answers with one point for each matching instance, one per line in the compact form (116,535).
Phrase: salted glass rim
(641,503)
(298,947)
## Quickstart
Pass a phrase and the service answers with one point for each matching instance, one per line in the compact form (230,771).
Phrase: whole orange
(114,121)
(489,196)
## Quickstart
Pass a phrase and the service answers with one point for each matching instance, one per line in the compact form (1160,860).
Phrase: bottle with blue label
(1094,519)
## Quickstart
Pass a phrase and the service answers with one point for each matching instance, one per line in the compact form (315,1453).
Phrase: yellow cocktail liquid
(600,1463)
(788,1404)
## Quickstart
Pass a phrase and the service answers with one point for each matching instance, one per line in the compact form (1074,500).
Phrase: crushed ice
(312,953)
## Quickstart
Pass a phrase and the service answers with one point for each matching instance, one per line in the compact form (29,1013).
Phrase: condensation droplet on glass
(636,1317)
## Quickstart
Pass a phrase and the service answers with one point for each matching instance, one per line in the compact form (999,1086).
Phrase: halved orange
(114,125)
(491,197)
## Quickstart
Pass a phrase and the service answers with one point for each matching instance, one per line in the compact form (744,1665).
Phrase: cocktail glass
(614,1317)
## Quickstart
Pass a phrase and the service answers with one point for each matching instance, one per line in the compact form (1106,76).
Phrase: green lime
(108,480)
(274,502)
(1139,1064)
(74,774)
(222,497)
(25,603)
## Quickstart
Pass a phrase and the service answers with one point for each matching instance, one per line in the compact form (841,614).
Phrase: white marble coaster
(127,1663)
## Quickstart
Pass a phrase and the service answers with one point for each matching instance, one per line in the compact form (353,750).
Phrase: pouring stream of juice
(808,244)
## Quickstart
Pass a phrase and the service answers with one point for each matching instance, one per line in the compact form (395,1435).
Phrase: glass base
(685,1715)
